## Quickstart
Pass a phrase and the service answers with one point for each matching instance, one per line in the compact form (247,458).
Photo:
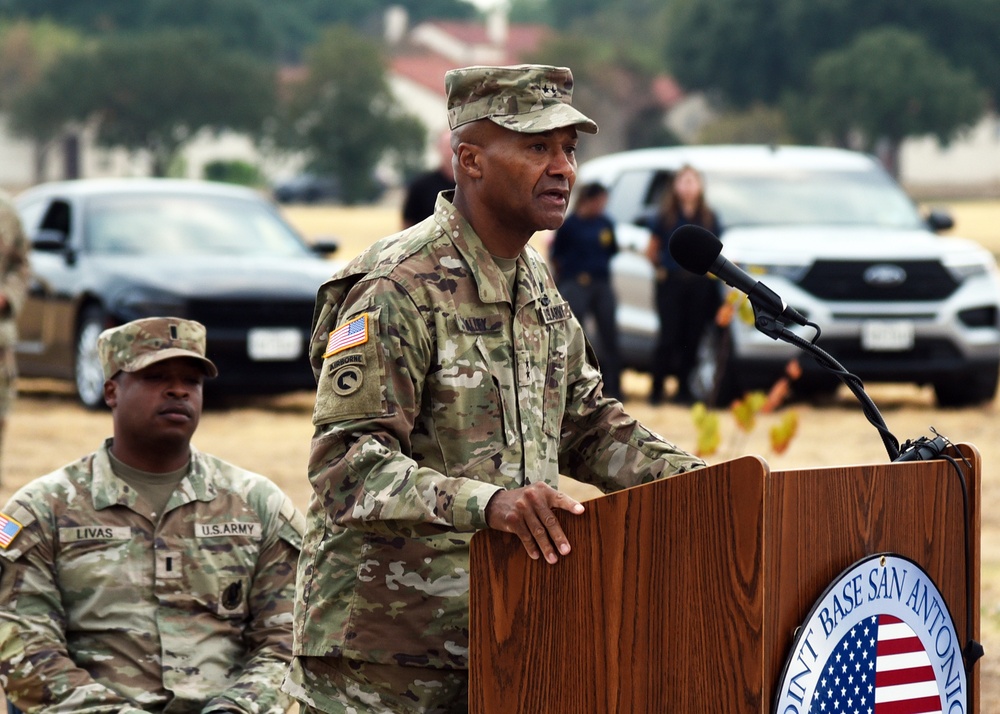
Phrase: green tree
(344,116)
(750,51)
(271,29)
(27,50)
(531,11)
(234,171)
(238,24)
(151,92)
(888,85)
(103,16)
(736,49)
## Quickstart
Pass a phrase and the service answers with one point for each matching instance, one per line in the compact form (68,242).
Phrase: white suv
(830,232)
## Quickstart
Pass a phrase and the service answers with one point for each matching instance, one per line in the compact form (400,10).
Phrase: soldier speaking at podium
(454,386)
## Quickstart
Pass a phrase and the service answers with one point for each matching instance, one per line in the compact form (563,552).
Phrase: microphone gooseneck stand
(775,329)
(922,449)
(700,251)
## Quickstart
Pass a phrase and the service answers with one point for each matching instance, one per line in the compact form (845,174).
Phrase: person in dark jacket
(580,256)
(422,193)
(685,303)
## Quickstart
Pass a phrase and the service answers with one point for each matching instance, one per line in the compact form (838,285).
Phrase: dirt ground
(48,429)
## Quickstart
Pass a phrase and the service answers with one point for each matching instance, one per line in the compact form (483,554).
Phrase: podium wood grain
(821,521)
(684,595)
(658,607)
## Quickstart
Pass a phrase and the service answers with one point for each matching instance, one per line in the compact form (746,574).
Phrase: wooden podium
(684,595)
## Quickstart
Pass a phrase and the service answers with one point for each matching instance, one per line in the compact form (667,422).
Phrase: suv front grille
(844,281)
(252,313)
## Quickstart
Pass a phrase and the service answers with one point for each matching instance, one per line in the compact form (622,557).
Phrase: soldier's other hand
(528,513)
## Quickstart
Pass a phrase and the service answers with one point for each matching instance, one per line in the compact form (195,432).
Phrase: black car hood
(216,276)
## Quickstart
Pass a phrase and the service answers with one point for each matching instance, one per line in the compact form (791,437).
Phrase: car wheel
(713,379)
(87,370)
(978,387)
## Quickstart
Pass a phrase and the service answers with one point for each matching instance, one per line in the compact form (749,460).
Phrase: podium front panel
(822,521)
(659,607)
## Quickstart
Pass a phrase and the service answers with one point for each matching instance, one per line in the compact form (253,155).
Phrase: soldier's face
(160,402)
(528,177)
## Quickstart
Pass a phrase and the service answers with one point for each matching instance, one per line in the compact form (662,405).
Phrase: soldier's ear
(469,159)
(111,393)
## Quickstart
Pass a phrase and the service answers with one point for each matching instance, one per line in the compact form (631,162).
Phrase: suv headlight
(962,271)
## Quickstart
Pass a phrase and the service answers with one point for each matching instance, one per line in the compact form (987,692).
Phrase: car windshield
(858,198)
(158,224)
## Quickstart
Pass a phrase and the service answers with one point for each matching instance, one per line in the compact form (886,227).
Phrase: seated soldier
(148,576)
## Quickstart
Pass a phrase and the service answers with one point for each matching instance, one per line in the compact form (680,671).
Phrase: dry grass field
(48,429)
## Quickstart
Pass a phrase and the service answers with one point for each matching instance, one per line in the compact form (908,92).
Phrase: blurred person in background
(148,576)
(14,275)
(422,192)
(686,303)
(580,255)
(453,386)
(13,290)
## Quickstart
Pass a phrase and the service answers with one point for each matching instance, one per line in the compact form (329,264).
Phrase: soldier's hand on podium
(528,513)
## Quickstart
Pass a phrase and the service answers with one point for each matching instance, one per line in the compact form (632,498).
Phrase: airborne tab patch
(350,334)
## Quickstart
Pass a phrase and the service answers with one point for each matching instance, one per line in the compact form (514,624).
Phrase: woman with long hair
(686,303)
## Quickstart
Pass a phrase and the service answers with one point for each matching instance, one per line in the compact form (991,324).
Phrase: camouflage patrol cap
(529,98)
(140,343)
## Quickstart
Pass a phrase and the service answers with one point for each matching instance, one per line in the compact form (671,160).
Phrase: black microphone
(699,251)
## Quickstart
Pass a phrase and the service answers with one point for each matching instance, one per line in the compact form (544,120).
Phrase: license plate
(887,335)
(266,344)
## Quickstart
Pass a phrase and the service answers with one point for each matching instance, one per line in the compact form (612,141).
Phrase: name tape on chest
(201,530)
(555,313)
(71,534)
(233,528)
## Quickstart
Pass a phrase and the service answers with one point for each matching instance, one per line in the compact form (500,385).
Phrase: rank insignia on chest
(9,528)
(555,313)
(350,334)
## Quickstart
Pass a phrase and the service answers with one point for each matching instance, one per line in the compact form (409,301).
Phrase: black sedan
(108,251)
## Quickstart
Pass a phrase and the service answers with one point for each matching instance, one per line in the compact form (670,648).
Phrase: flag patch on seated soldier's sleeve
(348,335)
(9,528)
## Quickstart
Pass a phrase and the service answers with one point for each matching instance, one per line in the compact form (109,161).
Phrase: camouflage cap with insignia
(140,343)
(529,98)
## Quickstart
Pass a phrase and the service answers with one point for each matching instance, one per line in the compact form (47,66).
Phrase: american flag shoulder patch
(350,334)
(9,528)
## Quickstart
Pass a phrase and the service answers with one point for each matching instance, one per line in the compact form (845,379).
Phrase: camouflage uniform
(434,392)
(140,343)
(108,609)
(13,288)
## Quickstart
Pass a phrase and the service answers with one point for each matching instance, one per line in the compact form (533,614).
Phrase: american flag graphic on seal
(880,640)
(879,667)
